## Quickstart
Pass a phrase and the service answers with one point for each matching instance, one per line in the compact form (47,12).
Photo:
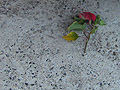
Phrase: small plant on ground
(85,20)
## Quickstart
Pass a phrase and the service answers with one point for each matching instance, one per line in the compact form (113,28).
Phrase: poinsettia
(80,24)
(88,16)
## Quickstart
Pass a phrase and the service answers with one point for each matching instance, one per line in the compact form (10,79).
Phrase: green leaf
(97,19)
(84,26)
(94,30)
(80,20)
(72,36)
(77,19)
(76,26)
(102,23)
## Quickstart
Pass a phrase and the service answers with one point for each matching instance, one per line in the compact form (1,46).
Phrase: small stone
(114,53)
(116,45)
(21,51)
(32,84)
(26,84)
(109,84)
(1,52)
(16,51)
(100,84)
(64,73)
(60,16)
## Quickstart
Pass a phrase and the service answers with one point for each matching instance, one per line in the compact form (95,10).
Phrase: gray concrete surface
(34,56)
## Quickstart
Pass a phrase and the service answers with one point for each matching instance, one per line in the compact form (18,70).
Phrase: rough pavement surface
(34,56)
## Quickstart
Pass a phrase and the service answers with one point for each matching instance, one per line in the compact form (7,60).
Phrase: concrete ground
(34,56)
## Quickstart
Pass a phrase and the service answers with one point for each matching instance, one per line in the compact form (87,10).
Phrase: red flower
(87,15)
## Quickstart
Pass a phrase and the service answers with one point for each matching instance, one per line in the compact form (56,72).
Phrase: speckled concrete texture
(34,56)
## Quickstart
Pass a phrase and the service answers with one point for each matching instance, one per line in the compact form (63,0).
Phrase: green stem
(86,43)
(88,38)
(85,34)
(85,46)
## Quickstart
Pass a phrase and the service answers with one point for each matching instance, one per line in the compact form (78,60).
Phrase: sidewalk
(34,56)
